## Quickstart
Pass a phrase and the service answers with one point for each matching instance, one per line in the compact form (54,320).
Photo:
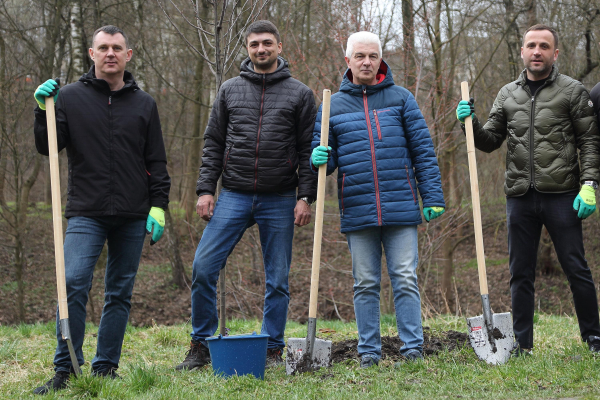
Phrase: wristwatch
(307,200)
(593,184)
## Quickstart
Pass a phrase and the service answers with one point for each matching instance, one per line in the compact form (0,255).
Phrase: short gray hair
(365,38)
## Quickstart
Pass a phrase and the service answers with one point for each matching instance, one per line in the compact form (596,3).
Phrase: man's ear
(91,53)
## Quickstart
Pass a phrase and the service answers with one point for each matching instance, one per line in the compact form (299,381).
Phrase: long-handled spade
(310,353)
(59,255)
(491,335)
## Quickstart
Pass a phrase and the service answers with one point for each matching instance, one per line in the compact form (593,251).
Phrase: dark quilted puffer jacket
(259,133)
(543,135)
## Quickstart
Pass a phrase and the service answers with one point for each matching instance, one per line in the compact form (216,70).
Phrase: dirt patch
(390,346)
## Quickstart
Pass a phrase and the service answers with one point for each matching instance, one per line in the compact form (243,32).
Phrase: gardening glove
(156,219)
(320,155)
(46,89)
(465,109)
(432,212)
(585,202)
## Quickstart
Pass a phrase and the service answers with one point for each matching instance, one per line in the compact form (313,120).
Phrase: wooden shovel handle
(59,254)
(483,286)
(316,259)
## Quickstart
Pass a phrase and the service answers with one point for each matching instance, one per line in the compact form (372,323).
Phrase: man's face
(110,54)
(263,50)
(539,54)
(364,63)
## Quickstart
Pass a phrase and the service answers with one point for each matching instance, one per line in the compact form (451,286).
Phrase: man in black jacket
(118,190)
(258,138)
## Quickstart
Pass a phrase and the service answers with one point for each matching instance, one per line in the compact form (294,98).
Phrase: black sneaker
(518,351)
(106,373)
(274,358)
(410,356)
(368,362)
(197,356)
(594,344)
(59,381)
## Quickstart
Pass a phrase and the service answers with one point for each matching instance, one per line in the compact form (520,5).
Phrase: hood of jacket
(282,72)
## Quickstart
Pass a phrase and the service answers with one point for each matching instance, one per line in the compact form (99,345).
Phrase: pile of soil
(390,346)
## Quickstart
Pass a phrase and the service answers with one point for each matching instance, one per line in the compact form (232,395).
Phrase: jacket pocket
(227,157)
(342,192)
(292,158)
(377,124)
(410,184)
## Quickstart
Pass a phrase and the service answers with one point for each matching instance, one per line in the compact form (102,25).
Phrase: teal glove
(433,212)
(320,155)
(46,89)
(156,219)
(585,202)
(465,109)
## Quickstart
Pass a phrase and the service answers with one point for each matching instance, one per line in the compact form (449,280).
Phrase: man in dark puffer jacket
(545,118)
(258,137)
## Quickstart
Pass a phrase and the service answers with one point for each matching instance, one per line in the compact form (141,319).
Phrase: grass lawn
(561,367)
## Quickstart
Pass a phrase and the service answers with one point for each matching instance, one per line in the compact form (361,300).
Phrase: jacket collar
(357,90)
(89,78)
(282,72)
(522,81)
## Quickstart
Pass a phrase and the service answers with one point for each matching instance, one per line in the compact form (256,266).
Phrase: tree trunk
(408,36)
(177,268)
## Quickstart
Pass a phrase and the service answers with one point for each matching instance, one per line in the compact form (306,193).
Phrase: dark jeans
(525,216)
(234,213)
(84,241)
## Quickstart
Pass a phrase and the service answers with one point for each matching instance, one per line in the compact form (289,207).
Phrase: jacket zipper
(377,124)
(410,184)
(343,179)
(262,101)
(373,160)
(531,139)
(227,157)
(110,123)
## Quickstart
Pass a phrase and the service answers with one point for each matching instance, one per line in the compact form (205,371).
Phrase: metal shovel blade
(296,361)
(65,331)
(495,349)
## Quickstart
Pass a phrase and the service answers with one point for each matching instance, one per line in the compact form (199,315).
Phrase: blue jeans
(235,212)
(401,252)
(525,216)
(84,241)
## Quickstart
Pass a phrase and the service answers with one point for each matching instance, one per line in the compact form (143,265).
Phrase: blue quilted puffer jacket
(381,147)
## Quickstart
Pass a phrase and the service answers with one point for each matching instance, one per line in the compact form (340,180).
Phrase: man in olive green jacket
(545,118)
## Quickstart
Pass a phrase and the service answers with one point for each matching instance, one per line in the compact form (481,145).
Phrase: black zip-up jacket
(259,134)
(117,160)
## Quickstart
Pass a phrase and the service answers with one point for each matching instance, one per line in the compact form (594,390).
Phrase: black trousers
(525,216)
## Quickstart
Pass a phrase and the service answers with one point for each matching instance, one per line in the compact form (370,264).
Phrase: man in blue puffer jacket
(381,147)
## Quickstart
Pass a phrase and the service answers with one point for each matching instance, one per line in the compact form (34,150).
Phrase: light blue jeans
(235,212)
(401,252)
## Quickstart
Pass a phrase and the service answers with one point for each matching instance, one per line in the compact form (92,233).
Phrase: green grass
(561,366)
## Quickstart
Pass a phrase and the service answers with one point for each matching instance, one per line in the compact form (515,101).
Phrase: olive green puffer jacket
(543,134)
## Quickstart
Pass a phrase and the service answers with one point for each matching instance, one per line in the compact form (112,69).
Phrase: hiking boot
(106,373)
(59,381)
(197,356)
(518,351)
(410,356)
(368,362)
(274,358)
(594,344)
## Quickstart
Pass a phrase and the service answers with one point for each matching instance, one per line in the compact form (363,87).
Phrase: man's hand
(465,109)
(320,155)
(205,206)
(585,202)
(156,220)
(302,213)
(433,212)
(46,89)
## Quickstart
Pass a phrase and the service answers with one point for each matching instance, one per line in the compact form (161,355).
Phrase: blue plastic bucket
(238,354)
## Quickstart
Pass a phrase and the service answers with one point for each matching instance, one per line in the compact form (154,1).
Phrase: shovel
(59,255)
(491,335)
(310,353)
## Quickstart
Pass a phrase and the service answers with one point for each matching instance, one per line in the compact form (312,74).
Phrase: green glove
(465,109)
(320,155)
(156,219)
(433,212)
(46,89)
(585,202)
